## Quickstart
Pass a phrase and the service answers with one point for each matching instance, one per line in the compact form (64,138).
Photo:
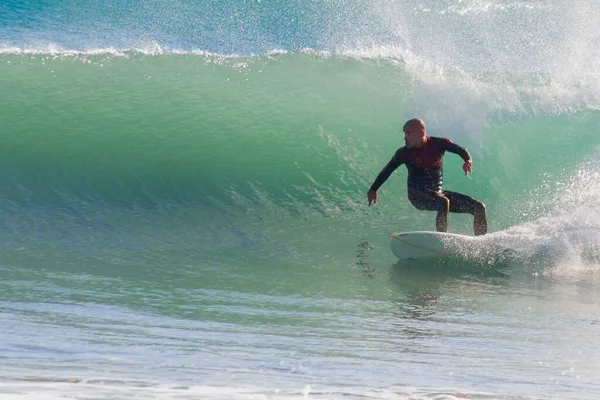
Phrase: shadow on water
(361,256)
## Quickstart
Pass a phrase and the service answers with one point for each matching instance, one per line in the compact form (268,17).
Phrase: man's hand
(468,167)
(372,195)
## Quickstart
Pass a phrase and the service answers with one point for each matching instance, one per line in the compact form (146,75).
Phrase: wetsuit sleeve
(396,161)
(452,147)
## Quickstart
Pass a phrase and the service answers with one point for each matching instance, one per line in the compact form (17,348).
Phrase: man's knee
(444,204)
(479,207)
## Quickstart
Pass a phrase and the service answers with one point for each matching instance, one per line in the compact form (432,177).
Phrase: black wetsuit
(425,175)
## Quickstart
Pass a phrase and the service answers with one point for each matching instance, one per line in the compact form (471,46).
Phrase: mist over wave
(563,227)
(556,37)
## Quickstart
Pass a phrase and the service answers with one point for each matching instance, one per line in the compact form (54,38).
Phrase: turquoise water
(183,196)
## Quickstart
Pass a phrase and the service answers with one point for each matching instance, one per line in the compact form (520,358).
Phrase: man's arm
(462,152)
(385,173)
(456,149)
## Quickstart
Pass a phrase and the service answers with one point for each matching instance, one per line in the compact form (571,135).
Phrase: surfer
(424,158)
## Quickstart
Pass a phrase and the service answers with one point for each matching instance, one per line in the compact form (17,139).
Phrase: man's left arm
(462,152)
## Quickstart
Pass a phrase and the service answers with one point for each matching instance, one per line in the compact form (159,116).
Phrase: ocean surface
(184,213)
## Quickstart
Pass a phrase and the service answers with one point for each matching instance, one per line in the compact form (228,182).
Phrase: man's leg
(441,219)
(460,203)
(430,200)
(479,219)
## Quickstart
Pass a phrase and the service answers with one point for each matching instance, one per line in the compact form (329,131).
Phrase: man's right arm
(385,173)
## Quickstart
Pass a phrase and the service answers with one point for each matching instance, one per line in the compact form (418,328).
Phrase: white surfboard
(425,244)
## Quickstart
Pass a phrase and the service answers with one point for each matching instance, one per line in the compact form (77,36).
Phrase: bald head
(415,132)
(416,124)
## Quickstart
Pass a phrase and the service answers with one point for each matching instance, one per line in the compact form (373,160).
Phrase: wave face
(229,150)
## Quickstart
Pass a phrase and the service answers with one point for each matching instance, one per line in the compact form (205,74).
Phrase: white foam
(150,50)
(59,390)
(567,237)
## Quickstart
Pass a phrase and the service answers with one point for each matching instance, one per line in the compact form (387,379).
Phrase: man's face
(413,136)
